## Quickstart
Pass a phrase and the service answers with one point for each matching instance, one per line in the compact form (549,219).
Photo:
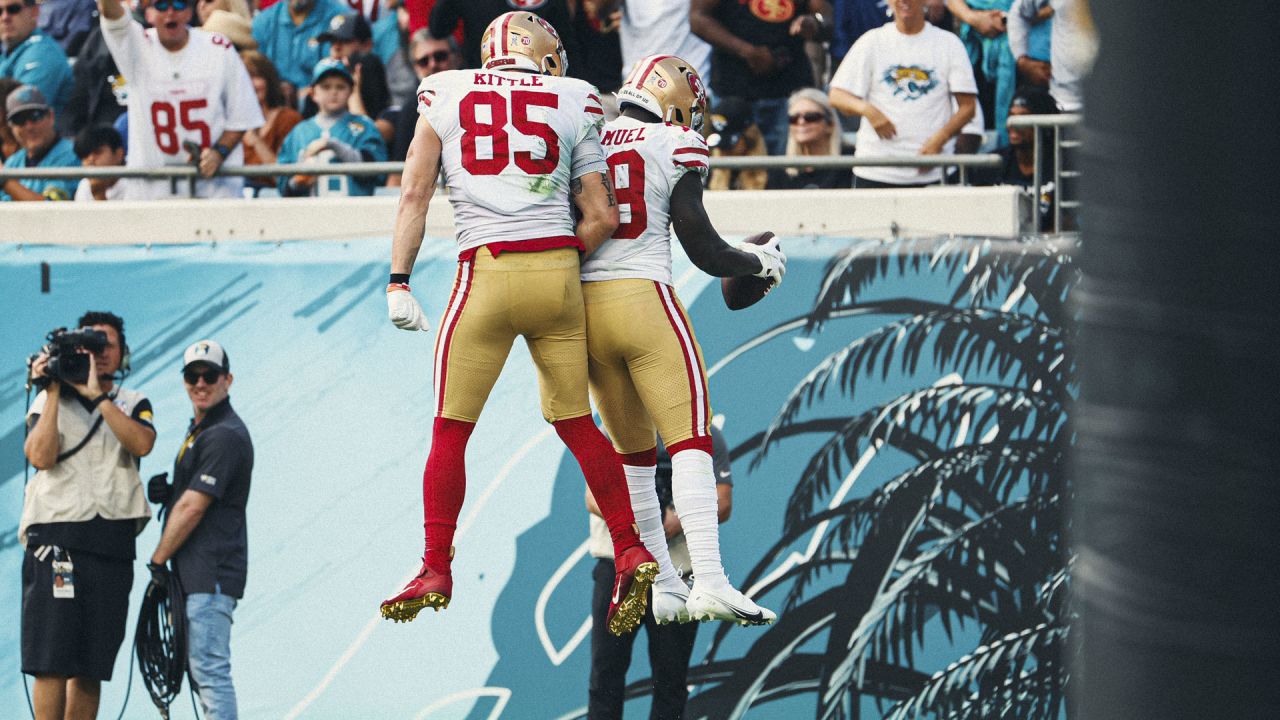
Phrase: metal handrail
(760,162)
(1057,123)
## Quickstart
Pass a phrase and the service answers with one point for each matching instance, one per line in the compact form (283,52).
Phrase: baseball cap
(732,117)
(1035,100)
(347,27)
(27,97)
(331,65)
(208,352)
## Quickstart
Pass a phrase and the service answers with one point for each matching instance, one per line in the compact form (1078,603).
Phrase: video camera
(68,352)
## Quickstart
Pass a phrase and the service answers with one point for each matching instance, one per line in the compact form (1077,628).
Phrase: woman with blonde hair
(815,131)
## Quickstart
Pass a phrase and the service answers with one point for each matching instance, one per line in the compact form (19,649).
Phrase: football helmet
(524,41)
(668,87)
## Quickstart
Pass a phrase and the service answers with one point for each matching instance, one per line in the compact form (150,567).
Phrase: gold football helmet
(522,40)
(668,87)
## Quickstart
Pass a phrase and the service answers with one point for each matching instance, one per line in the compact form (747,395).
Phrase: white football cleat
(669,604)
(724,602)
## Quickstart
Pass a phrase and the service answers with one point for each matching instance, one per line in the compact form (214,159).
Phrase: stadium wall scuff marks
(894,411)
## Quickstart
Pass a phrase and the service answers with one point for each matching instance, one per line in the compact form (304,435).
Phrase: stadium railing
(766,162)
(1058,124)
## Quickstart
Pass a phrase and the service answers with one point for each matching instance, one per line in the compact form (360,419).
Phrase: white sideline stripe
(503,695)
(690,361)
(445,336)
(540,610)
(363,636)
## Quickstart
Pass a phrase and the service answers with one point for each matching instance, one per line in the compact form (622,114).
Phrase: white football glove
(773,263)
(404,310)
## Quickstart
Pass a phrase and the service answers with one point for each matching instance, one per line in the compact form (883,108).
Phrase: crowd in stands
(150,83)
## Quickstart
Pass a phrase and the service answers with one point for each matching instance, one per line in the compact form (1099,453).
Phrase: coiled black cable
(160,641)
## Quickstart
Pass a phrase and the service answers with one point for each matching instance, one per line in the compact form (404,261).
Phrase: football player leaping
(516,140)
(646,366)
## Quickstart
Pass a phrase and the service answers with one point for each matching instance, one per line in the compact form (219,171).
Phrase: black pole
(1177,470)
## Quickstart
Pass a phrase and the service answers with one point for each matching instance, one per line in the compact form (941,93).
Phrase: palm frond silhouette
(967,542)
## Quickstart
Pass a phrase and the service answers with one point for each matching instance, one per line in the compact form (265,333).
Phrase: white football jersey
(511,142)
(192,95)
(646,160)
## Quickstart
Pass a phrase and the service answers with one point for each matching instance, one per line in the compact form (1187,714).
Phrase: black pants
(859,182)
(78,636)
(669,649)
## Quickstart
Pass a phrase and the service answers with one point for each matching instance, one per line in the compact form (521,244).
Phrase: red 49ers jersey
(646,160)
(510,144)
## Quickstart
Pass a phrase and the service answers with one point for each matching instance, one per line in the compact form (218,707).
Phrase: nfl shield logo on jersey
(526,4)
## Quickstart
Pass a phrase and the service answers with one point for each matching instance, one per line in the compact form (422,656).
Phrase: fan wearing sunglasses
(428,56)
(205,534)
(814,131)
(32,122)
(30,56)
(186,86)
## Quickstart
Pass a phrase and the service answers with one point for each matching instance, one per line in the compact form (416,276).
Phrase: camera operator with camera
(81,514)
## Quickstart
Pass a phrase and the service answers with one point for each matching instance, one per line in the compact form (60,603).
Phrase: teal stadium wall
(339,405)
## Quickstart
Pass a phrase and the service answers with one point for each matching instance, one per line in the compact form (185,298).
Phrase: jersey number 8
(496,130)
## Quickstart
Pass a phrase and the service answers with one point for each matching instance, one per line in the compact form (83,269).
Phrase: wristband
(222,150)
(399,279)
(99,399)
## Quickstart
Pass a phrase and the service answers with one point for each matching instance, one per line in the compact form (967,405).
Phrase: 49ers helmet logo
(695,84)
(526,4)
(773,11)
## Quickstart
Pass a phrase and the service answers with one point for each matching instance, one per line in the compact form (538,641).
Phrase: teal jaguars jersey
(357,131)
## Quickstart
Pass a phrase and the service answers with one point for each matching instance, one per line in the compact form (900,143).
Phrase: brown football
(747,290)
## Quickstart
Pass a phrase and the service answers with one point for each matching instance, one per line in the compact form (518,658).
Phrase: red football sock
(444,483)
(604,476)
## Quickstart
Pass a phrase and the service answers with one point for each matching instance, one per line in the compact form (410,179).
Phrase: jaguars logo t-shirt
(909,78)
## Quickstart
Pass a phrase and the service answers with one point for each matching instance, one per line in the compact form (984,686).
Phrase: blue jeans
(209,652)
(770,115)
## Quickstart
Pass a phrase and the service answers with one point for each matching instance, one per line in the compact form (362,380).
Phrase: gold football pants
(646,366)
(533,294)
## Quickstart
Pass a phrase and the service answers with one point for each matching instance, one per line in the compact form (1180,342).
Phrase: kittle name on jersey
(622,136)
(507,81)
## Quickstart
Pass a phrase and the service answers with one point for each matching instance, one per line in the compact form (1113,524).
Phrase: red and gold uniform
(646,366)
(511,144)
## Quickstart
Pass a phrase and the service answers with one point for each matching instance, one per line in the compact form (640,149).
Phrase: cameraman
(80,515)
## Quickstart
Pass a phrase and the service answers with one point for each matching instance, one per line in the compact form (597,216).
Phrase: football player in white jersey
(646,366)
(516,141)
(185,86)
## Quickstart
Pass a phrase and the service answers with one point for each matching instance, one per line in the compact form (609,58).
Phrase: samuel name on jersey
(646,160)
(508,142)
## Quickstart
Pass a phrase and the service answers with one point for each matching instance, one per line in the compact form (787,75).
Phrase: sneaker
(428,589)
(724,602)
(636,572)
(669,604)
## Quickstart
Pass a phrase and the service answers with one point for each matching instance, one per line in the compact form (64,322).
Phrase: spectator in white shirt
(902,79)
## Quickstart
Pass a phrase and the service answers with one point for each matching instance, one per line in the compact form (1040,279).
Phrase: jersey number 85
(496,130)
